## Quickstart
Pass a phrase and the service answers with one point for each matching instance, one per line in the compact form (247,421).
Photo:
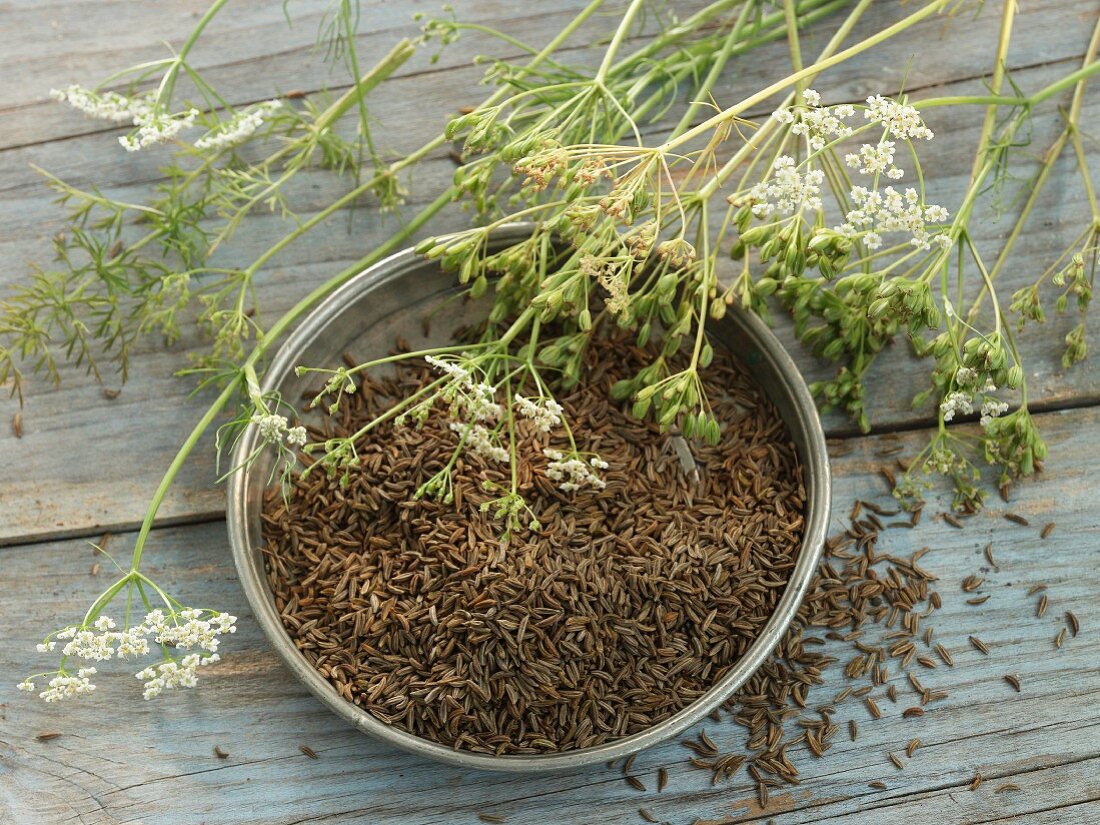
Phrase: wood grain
(66,497)
(86,462)
(122,760)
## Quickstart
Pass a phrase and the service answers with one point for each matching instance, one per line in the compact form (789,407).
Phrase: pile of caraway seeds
(626,605)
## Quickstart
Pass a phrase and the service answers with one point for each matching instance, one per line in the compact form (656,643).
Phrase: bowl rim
(248,561)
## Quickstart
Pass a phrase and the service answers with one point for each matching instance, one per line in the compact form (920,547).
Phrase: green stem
(793,42)
(1047,166)
(753,143)
(306,303)
(617,39)
(168,82)
(1008,16)
(818,67)
(716,69)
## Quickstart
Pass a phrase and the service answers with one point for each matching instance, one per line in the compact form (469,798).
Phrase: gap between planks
(207,516)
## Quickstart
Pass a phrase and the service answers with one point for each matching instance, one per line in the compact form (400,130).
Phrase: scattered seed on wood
(1047,530)
(912,747)
(17,425)
(308,751)
(635,783)
(493,819)
(878,785)
(892,692)
(1074,625)
(943,653)
(465,110)
(935,600)
(979,644)
(95,569)
(1041,608)
(888,474)
(989,555)
(647,815)
(972,583)
(926,661)
(1007,786)
(46,736)
(978,600)
(976,782)
(629,763)
(897,761)
(1014,681)
(762,794)
(1036,588)
(221,754)
(1060,638)
(1015,518)
(662,779)
(706,740)
(954,522)
(872,706)
(916,710)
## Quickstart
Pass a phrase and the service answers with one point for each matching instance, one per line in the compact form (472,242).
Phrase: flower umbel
(183,629)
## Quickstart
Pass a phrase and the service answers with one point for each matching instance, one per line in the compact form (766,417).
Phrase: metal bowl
(389,299)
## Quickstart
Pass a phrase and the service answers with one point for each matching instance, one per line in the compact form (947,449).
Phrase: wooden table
(86,465)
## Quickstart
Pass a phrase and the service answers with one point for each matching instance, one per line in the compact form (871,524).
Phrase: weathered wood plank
(122,760)
(247,52)
(51,46)
(60,496)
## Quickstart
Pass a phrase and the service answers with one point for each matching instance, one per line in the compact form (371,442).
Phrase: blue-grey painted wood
(86,462)
(67,498)
(121,760)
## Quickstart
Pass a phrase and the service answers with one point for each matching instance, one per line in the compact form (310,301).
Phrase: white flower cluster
(957,402)
(194,631)
(64,686)
(480,442)
(788,190)
(572,472)
(103,105)
(274,427)
(545,412)
(153,126)
(186,629)
(877,212)
(475,398)
(85,643)
(963,403)
(875,159)
(965,376)
(819,124)
(901,121)
(992,408)
(238,128)
(157,127)
(171,675)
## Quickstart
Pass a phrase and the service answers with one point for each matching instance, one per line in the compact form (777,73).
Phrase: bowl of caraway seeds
(635,609)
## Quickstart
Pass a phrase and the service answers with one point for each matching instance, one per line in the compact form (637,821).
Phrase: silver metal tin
(390,299)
